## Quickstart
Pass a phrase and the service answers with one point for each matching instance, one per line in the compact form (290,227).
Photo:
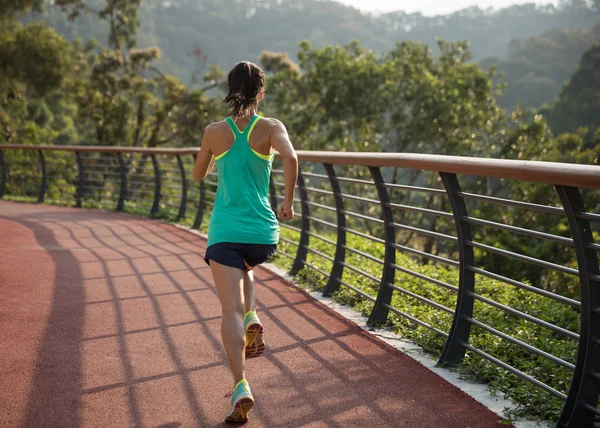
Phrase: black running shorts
(240,256)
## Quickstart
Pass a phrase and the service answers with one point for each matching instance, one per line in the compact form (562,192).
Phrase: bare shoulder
(274,123)
(216,128)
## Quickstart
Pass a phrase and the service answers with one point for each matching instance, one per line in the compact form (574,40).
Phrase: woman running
(243,231)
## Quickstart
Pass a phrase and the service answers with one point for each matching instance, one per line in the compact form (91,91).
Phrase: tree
(34,61)
(578,104)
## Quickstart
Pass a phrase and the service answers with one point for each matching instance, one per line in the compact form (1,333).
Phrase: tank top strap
(248,129)
(234,128)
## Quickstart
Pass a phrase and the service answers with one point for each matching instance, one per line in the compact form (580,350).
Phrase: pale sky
(432,7)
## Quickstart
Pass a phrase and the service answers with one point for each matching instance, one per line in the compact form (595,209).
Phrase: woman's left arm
(205,161)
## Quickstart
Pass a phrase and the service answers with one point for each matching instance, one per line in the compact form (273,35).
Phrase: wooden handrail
(565,174)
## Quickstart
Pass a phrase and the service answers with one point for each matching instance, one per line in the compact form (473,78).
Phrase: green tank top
(242,213)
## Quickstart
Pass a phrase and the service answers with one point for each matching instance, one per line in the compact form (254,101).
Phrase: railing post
(183,205)
(4,174)
(155,204)
(201,204)
(333,284)
(123,183)
(454,350)
(44,182)
(380,311)
(584,390)
(302,252)
(79,191)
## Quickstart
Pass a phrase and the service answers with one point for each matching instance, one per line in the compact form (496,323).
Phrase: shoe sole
(239,413)
(255,345)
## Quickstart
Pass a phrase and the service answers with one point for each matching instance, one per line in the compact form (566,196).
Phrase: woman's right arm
(205,161)
(280,141)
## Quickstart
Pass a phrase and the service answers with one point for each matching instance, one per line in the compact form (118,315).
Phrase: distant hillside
(230,30)
(537,68)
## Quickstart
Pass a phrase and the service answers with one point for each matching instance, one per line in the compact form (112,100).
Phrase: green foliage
(578,104)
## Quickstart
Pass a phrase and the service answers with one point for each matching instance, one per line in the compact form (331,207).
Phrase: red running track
(109,320)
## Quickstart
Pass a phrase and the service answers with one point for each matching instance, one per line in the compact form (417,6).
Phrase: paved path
(108,320)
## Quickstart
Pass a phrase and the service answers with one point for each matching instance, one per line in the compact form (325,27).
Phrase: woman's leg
(229,282)
(249,294)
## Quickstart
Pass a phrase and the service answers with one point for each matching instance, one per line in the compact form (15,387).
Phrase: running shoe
(255,344)
(241,403)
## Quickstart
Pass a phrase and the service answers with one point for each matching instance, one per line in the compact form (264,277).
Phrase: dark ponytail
(244,83)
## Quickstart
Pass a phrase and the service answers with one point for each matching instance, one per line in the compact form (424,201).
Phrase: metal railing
(388,204)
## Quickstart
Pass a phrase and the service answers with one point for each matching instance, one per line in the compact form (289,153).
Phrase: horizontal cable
(325,256)
(212,183)
(287,226)
(96,187)
(424,277)
(140,183)
(289,241)
(415,320)
(414,188)
(314,174)
(314,235)
(362,216)
(510,202)
(355,180)
(314,204)
(171,187)
(280,171)
(284,254)
(527,287)
(589,216)
(426,255)
(356,290)
(363,235)
(596,310)
(519,230)
(316,269)
(109,174)
(592,246)
(360,253)
(523,315)
(314,189)
(425,232)
(592,409)
(318,220)
(436,213)
(359,198)
(421,298)
(595,375)
(208,192)
(344,179)
(523,258)
(595,278)
(520,343)
(360,272)
(514,371)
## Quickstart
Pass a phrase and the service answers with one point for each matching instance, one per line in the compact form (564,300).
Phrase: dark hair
(244,83)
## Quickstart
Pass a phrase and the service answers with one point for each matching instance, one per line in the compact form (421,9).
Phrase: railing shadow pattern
(139,343)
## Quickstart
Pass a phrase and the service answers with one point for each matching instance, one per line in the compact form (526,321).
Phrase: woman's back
(242,213)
